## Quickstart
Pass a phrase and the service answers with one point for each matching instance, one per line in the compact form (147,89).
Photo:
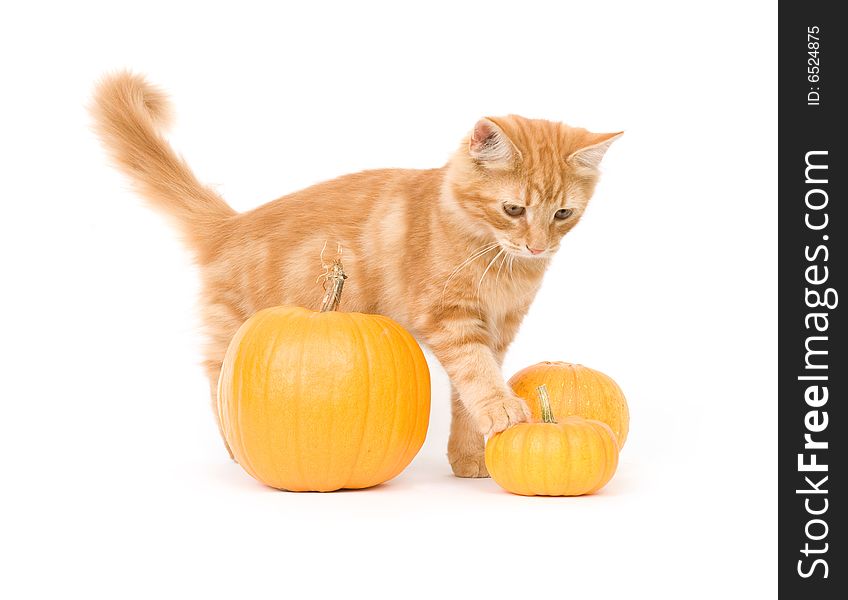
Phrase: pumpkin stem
(336,276)
(545,403)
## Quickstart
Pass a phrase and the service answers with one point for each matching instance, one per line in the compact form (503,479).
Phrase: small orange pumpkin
(572,457)
(318,401)
(575,390)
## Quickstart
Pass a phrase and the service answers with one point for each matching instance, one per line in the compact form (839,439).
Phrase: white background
(116,484)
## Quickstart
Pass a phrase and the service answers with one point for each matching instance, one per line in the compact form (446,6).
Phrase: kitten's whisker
(474,255)
(500,266)
(486,270)
(479,252)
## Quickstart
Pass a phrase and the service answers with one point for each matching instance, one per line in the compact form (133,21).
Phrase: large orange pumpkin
(571,457)
(318,401)
(575,390)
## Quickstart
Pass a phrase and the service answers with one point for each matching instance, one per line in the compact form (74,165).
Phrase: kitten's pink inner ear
(490,146)
(484,131)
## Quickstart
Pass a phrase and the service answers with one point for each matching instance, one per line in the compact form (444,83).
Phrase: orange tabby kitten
(454,254)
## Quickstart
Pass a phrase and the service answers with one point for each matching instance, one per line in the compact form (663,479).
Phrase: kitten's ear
(590,155)
(490,146)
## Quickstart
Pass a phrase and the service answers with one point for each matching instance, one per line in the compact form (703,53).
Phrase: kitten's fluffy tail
(129,116)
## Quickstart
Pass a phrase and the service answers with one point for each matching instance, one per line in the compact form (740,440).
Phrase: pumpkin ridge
(611,461)
(422,375)
(415,351)
(269,357)
(350,463)
(522,470)
(501,445)
(367,410)
(600,383)
(375,325)
(323,323)
(494,458)
(505,467)
(519,467)
(611,454)
(296,416)
(614,390)
(411,434)
(562,396)
(502,466)
(583,390)
(499,462)
(539,437)
(553,448)
(422,372)
(576,439)
(244,457)
(600,480)
(625,422)
(262,324)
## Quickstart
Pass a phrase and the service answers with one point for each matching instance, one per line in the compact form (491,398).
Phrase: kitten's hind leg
(465,445)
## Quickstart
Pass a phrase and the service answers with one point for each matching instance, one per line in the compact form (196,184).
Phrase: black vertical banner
(813,369)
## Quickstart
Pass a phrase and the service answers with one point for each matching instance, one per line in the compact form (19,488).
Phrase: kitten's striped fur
(432,249)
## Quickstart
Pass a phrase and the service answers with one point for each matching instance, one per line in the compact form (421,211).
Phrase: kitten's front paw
(502,411)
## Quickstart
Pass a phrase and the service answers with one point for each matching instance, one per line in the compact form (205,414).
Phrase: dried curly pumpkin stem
(336,276)
(545,403)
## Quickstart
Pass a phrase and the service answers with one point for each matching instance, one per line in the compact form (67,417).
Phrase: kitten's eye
(513,210)
(563,213)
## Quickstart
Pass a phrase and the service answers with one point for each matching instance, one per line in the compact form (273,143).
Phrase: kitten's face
(530,216)
(529,181)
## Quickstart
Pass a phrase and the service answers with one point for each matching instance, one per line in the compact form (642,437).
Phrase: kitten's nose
(535,251)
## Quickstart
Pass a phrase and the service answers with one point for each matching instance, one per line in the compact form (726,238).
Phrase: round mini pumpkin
(319,401)
(572,457)
(575,390)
